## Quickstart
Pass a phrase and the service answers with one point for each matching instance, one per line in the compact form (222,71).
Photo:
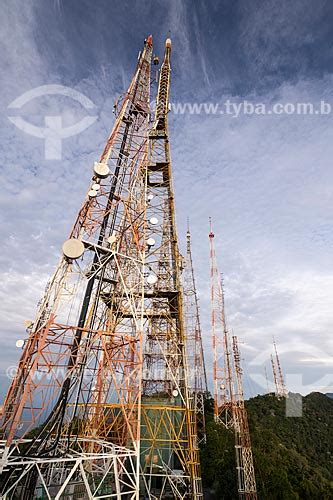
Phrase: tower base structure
(89,469)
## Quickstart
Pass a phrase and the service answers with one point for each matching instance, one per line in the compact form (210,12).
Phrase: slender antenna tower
(100,405)
(229,407)
(169,448)
(247,489)
(195,354)
(281,387)
(222,374)
(71,418)
(266,377)
(277,393)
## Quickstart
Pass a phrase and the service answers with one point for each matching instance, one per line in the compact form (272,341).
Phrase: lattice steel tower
(170,460)
(100,405)
(280,387)
(222,355)
(247,489)
(229,407)
(195,354)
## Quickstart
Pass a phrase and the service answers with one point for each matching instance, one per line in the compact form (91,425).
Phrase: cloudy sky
(266,180)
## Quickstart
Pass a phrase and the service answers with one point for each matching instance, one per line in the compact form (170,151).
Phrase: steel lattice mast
(266,377)
(276,383)
(222,360)
(195,354)
(169,453)
(100,406)
(229,407)
(280,387)
(247,489)
(72,416)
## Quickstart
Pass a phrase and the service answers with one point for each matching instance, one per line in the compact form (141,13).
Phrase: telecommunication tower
(266,377)
(280,387)
(222,355)
(169,449)
(229,407)
(274,370)
(246,481)
(195,354)
(100,406)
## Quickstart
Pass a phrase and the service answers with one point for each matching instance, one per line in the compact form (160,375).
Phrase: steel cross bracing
(196,363)
(80,473)
(169,453)
(229,407)
(78,384)
(100,404)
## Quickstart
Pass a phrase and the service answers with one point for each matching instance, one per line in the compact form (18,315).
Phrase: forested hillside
(293,455)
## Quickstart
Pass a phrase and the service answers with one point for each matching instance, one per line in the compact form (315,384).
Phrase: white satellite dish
(101,170)
(92,193)
(175,393)
(96,187)
(19,343)
(153,221)
(73,248)
(151,242)
(152,279)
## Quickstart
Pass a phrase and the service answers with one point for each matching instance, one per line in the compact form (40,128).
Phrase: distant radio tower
(229,407)
(280,387)
(222,374)
(266,377)
(195,354)
(244,460)
(275,376)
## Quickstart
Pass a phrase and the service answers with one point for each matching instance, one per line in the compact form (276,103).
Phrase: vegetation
(292,455)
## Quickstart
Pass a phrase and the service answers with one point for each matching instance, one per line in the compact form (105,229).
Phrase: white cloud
(266,181)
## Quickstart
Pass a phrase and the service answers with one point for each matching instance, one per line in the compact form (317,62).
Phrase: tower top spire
(211,234)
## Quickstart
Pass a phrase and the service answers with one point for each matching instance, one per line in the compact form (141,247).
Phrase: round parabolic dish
(152,279)
(73,248)
(101,170)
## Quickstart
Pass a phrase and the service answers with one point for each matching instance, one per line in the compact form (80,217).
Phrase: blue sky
(267,181)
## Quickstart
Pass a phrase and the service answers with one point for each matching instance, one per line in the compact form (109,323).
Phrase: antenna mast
(195,354)
(229,407)
(222,375)
(247,489)
(266,377)
(169,448)
(100,406)
(281,390)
